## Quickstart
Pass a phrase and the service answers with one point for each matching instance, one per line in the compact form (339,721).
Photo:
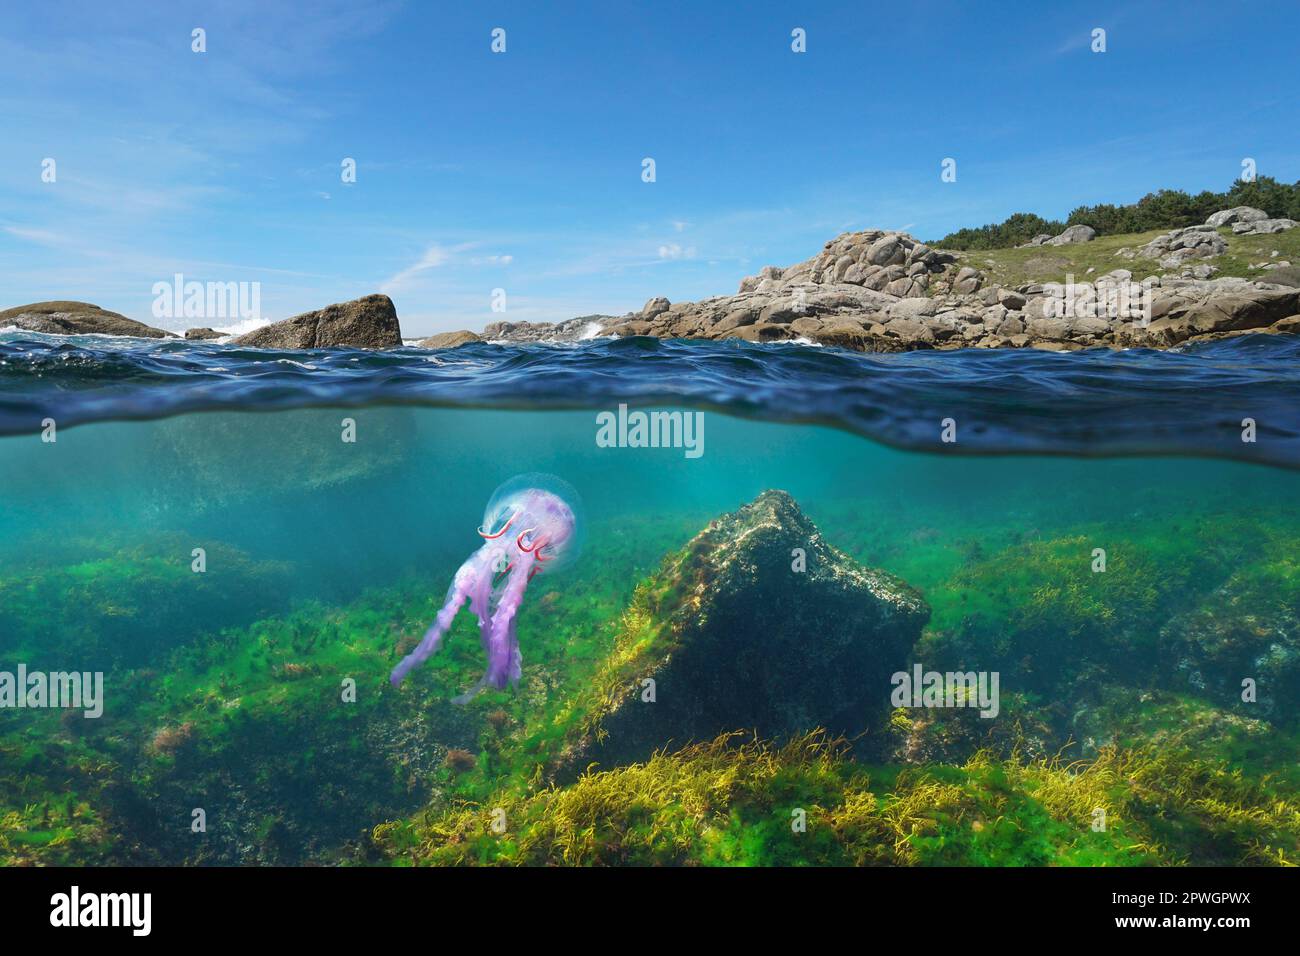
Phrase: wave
(1196,401)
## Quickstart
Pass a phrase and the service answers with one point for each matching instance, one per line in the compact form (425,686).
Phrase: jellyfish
(530,527)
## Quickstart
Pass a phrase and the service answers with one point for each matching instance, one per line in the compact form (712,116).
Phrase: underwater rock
(76,318)
(1248,628)
(757,624)
(366,323)
(200,463)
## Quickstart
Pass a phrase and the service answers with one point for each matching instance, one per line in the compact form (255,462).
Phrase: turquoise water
(335,518)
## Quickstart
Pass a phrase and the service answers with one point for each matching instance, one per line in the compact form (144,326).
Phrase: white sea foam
(241,328)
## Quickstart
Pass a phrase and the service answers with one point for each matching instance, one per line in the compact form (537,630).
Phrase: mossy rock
(758,623)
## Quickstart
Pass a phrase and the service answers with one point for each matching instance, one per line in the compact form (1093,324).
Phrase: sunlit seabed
(325,559)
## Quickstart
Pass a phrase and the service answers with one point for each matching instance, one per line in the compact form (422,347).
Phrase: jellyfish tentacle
(462,586)
(504,659)
(504,528)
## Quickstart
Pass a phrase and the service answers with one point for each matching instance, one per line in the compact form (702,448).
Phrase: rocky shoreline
(878,291)
(871,291)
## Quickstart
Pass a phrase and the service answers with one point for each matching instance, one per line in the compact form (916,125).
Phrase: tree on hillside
(1266,193)
(1163,209)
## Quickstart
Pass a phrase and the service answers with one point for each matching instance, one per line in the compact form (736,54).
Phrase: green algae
(241,712)
(745,802)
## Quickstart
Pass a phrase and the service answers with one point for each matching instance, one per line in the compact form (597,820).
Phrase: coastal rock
(1173,248)
(655,306)
(883,291)
(1073,235)
(203,335)
(760,332)
(366,323)
(1185,313)
(76,318)
(1227,217)
(967,281)
(758,623)
(570,330)
(1263,227)
(449,340)
(857,276)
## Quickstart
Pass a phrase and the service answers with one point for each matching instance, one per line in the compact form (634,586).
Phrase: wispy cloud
(433,257)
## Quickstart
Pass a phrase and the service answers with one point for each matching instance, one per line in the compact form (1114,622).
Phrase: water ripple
(1094,402)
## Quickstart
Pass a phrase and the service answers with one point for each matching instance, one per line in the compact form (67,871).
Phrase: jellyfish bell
(533,524)
(545,505)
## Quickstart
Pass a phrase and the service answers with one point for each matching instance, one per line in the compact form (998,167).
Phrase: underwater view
(692,633)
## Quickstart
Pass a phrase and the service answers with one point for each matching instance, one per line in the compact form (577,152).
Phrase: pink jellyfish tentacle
(504,659)
(495,578)
(461,589)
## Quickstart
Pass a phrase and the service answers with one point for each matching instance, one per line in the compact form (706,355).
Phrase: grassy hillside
(1013,267)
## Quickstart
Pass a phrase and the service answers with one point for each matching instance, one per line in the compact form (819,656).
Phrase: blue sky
(522,170)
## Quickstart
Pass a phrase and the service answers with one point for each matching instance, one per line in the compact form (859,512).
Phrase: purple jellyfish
(530,525)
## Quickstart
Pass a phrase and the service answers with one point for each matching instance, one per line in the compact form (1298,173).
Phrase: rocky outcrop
(856,275)
(1263,227)
(1073,235)
(570,330)
(449,340)
(1198,311)
(76,318)
(1237,214)
(880,291)
(1174,248)
(366,323)
(203,335)
(757,624)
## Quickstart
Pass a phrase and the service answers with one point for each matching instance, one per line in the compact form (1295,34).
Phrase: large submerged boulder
(757,624)
(76,318)
(1246,630)
(366,323)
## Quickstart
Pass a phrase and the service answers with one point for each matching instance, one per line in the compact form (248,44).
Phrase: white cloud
(673,251)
